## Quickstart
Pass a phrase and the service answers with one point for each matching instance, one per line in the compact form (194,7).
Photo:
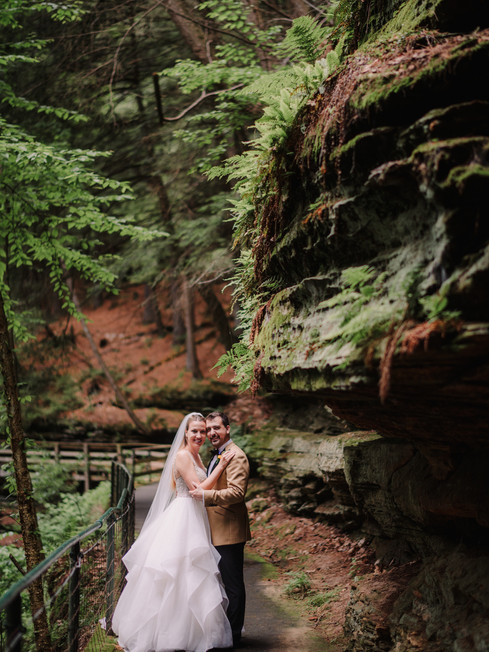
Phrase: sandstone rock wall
(430,525)
(374,237)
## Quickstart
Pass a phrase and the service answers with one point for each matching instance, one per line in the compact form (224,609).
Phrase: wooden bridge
(90,462)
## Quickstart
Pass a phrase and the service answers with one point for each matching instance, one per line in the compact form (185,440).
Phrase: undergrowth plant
(320,599)
(282,94)
(63,514)
(59,522)
(299,585)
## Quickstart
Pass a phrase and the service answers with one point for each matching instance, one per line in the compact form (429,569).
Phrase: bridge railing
(81,582)
(90,462)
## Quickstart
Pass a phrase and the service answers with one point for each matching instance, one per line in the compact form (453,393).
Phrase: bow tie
(215,452)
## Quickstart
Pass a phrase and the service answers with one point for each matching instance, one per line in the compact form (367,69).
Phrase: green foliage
(51,394)
(9,574)
(240,358)
(229,14)
(299,585)
(358,290)
(9,475)
(59,522)
(305,40)
(71,514)
(320,599)
(50,481)
(53,201)
(282,93)
(437,306)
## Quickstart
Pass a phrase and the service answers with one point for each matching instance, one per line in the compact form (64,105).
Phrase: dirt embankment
(323,574)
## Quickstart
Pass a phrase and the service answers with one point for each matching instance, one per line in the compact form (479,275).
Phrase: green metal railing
(81,582)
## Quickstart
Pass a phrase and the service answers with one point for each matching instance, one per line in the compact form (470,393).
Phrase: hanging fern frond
(305,40)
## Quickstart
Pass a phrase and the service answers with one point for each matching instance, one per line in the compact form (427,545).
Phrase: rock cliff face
(377,243)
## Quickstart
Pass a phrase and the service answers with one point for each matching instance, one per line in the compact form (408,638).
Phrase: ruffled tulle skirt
(174,598)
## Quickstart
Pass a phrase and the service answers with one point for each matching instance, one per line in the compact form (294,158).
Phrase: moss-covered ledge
(380,268)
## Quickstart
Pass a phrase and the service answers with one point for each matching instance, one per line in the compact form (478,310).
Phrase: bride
(174,598)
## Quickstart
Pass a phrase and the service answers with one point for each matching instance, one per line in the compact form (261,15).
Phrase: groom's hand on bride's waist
(197,492)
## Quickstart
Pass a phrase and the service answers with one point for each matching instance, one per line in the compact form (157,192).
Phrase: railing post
(86,456)
(110,579)
(126,518)
(113,499)
(13,625)
(119,484)
(131,506)
(74,599)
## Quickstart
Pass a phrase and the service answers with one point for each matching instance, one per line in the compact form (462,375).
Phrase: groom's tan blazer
(226,508)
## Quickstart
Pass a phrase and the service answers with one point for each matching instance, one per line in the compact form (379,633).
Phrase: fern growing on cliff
(305,40)
(283,94)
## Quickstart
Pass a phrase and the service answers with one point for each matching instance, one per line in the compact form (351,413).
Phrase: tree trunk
(177,312)
(151,310)
(157,186)
(298,8)
(27,508)
(190,22)
(218,316)
(192,360)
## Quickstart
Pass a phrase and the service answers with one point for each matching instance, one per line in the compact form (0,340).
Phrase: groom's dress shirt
(213,462)
(215,457)
(226,508)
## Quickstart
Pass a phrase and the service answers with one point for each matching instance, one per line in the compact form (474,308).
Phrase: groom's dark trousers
(231,568)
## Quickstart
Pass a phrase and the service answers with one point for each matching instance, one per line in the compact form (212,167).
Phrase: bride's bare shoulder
(183,456)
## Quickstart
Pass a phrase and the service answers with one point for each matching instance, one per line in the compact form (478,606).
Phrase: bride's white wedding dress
(174,598)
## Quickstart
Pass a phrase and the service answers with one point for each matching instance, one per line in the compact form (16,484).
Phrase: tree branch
(207,26)
(203,96)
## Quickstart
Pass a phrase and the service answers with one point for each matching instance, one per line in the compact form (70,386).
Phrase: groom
(228,516)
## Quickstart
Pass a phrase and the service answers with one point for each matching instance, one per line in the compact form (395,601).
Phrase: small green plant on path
(298,586)
(320,599)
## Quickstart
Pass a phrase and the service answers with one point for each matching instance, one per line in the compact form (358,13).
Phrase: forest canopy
(125,121)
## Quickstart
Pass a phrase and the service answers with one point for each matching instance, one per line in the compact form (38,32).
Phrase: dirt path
(270,624)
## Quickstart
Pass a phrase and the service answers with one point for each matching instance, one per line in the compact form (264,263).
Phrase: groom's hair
(224,417)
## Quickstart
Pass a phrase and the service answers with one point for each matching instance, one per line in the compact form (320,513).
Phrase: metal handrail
(17,588)
(10,600)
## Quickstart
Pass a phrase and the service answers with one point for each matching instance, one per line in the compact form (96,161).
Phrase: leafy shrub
(50,481)
(72,514)
(9,574)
